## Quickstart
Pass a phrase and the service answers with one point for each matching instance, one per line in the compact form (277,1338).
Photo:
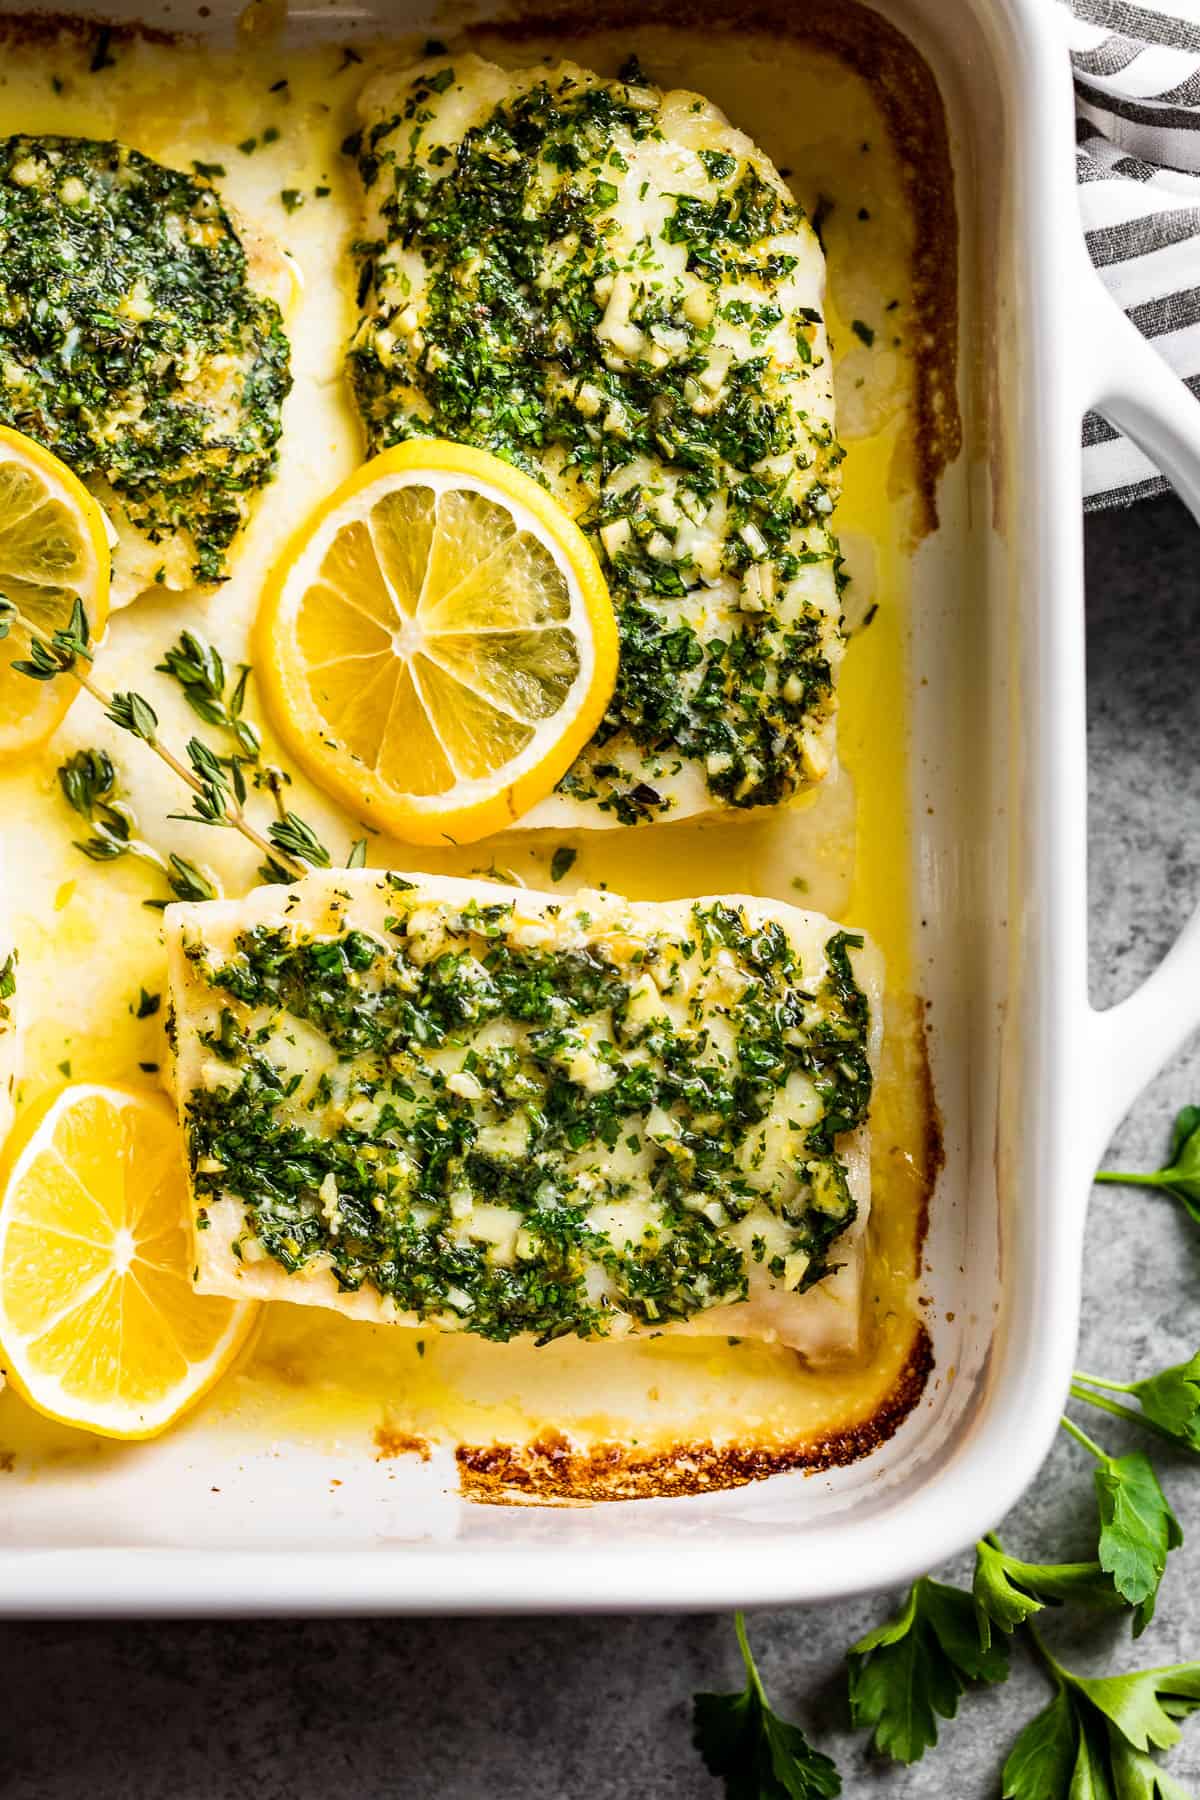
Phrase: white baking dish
(1030,1081)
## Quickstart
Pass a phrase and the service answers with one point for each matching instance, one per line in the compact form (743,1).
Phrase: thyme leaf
(297,839)
(199,669)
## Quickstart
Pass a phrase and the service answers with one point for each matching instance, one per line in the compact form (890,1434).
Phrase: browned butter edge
(549,1470)
(911,104)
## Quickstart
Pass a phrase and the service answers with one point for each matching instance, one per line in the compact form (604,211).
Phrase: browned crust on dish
(46,27)
(911,104)
(551,1470)
(390,1443)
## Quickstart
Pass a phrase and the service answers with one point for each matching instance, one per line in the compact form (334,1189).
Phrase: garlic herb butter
(507,1114)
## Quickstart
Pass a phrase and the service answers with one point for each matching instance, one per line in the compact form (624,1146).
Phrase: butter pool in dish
(614,288)
(421,1099)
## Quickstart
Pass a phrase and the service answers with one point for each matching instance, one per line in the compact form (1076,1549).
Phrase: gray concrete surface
(568,1709)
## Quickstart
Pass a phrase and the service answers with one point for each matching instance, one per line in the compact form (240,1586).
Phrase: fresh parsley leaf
(1137,1531)
(1169,1401)
(758,1755)
(1180,1175)
(1009,1591)
(1093,1741)
(913,1668)
(562,862)
(1041,1762)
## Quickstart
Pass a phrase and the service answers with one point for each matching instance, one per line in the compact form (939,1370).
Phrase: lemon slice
(99,1324)
(437,644)
(53,551)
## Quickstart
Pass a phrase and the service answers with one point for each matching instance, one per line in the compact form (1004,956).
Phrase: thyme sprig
(219,792)
(89,783)
(199,669)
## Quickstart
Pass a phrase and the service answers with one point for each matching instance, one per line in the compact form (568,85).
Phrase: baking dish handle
(1126,380)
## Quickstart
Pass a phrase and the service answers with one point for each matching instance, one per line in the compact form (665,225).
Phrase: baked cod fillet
(139,340)
(613,288)
(450,1103)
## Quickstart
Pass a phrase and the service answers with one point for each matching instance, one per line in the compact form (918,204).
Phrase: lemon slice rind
(31,711)
(61,1236)
(476,802)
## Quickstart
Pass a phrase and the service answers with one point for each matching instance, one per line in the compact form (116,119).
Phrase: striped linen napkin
(1137,103)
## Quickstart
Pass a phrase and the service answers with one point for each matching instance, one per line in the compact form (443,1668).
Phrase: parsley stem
(1116,1387)
(1081,1437)
(1118,1411)
(1053,1667)
(739,1625)
(1119,1177)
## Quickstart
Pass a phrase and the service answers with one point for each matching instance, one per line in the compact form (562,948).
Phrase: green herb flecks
(8,988)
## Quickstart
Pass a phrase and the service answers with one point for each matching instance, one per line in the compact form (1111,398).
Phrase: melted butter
(88,944)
